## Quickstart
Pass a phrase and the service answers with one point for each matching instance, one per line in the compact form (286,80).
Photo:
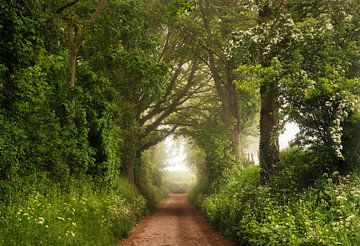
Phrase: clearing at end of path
(175,222)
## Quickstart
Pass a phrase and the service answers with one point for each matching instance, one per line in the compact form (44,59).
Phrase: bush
(150,180)
(225,208)
(83,216)
(326,214)
(319,210)
(198,192)
(300,168)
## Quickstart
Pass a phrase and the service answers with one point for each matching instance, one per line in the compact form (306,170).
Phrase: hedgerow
(326,212)
(44,214)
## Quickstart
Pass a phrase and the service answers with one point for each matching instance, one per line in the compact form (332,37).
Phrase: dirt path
(174,223)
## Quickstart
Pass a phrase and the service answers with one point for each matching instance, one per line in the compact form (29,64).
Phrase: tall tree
(269,112)
(219,19)
(150,64)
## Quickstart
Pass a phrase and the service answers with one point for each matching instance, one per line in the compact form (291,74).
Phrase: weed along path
(175,222)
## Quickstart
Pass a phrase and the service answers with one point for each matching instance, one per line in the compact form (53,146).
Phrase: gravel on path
(175,222)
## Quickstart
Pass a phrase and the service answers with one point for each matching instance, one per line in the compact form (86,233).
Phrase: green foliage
(281,213)
(314,46)
(225,208)
(300,168)
(326,214)
(150,183)
(61,146)
(44,215)
(198,191)
(211,136)
(179,7)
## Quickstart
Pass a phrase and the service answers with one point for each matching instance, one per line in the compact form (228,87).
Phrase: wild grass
(290,210)
(81,214)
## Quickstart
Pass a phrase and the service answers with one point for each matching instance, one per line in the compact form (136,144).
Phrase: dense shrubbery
(62,131)
(288,210)
(150,185)
(43,214)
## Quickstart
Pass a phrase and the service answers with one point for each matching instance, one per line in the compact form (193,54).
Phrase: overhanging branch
(68,5)
(158,139)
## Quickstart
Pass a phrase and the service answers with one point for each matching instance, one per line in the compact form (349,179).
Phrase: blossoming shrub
(84,215)
(326,212)
(226,207)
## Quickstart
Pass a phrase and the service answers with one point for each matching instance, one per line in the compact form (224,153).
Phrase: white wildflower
(329,26)
(348,18)
(40,221)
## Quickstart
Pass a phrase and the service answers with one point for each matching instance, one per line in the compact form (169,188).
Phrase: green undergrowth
(83,213)
(301,209)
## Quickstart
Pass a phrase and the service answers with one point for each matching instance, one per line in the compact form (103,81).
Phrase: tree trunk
(269,137)
(72,64)
(269,117)
(224,86)
(71,56)
(130,171)
(74,45)
(128,153)
(231,112)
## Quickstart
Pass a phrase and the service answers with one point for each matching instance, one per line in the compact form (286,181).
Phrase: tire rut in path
(175,222)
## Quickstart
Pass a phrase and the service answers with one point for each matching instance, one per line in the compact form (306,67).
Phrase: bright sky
(176,156)
(291,129)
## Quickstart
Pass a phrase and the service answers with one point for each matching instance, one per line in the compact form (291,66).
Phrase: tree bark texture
(269,137)
(130,171)
(231,110)
(269,117)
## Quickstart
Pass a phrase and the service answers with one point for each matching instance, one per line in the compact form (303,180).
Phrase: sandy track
(175,222)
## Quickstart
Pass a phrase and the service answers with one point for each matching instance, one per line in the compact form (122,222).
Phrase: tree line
(86,87)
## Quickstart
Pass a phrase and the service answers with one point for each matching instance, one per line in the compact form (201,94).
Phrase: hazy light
(176,156)
(291,129)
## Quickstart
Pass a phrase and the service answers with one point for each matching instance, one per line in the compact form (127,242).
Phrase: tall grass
(81,214)
(293,209)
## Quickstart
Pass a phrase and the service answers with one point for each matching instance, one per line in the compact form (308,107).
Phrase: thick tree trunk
(269,117)
(129,150)
(269,137)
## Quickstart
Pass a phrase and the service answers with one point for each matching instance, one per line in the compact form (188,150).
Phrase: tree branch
(157,140)
(158,107)
(218,82)
(75,45)
(68,5)
(172,107)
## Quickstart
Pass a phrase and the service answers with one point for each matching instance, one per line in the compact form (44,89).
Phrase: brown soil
(175,222)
